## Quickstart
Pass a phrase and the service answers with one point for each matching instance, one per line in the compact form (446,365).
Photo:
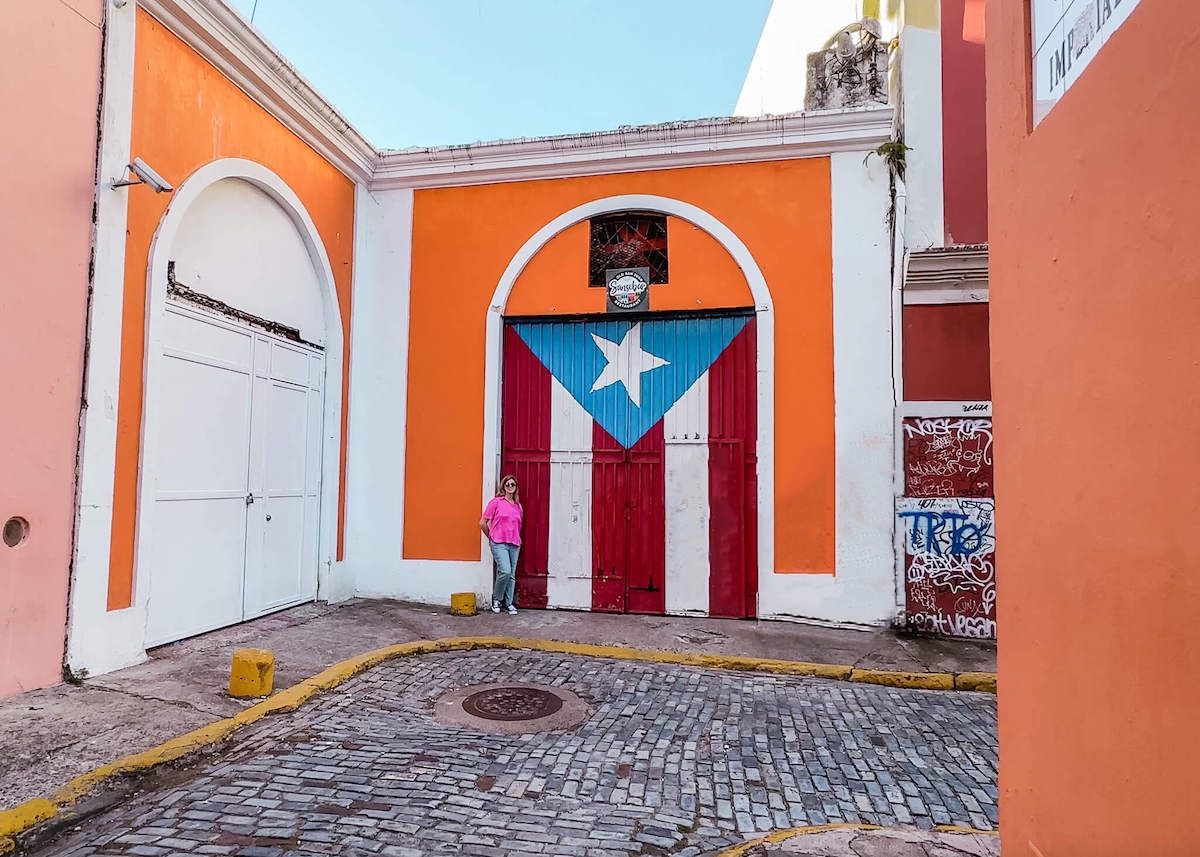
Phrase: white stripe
(685,428)
(570,550)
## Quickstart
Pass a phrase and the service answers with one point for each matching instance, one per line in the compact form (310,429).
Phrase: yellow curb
(909,681)
(982,682)
(25,815)
(784,835)
(21,818)
(954,828)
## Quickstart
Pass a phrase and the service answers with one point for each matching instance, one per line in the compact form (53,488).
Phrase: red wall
(1095,300)
(946,353)
(964,122)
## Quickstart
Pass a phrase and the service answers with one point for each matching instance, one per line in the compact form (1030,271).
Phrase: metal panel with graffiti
(946,520)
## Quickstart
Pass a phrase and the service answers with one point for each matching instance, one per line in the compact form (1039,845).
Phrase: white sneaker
(495,606)
(512,610)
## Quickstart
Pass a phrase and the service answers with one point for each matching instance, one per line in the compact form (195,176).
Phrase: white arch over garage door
(320,323)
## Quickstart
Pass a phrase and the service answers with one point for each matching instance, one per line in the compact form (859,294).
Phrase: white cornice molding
(224,38)
(947,275)
(631,149)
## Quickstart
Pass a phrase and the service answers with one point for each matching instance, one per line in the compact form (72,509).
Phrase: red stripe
(647,527)
(608,522)
(732,478)
(628,524)
(526,455)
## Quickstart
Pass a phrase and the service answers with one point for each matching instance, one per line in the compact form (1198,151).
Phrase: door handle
(268,517)
(249,499)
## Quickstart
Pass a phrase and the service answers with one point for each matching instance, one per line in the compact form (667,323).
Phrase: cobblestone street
(672,760)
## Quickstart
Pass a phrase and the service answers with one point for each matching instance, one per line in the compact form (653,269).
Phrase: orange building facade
(309,361)
(1094,319)
(212,451)
(754,229)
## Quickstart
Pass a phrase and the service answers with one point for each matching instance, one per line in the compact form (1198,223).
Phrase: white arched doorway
(765,356)
(242,411)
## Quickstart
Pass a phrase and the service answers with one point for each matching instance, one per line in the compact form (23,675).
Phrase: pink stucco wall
(49,86)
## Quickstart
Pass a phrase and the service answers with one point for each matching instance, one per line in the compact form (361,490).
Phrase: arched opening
(241,426)
(645,493)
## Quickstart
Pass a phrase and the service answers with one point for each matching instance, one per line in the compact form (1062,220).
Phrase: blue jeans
(504,556)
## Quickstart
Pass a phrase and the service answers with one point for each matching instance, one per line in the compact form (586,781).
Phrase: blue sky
(433,72)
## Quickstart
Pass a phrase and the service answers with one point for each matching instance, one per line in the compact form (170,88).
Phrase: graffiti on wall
(948,457)
(947,522)
(950,565)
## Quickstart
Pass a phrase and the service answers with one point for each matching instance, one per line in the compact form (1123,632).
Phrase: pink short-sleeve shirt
(504,521)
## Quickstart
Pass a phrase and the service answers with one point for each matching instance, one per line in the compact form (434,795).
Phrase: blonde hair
(516,490)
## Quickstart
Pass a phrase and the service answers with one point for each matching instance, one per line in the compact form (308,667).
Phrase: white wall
(863,590)
(98,639)
(921,91)
(237,245)
(378,408)
(776,80)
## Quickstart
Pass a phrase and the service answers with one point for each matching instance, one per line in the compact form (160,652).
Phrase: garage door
(634,446)
(234,523)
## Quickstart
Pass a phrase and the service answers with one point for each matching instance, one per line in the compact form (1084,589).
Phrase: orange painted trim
(464,238)
(186,114)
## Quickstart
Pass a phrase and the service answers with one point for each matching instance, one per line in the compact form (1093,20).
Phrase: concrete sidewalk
(47,737)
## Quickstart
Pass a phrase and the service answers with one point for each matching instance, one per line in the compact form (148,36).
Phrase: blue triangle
(571,353)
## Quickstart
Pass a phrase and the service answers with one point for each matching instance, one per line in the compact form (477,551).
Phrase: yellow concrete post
(463,604)
(252,674)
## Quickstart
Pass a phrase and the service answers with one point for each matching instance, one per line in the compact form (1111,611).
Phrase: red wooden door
(727,529)
(609,491)
(645,526)
(733,479)
(628,536)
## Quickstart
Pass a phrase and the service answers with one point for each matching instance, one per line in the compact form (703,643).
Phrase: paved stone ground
(673,760)
(49,736)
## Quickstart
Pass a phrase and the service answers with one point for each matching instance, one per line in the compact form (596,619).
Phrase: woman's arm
(485,527)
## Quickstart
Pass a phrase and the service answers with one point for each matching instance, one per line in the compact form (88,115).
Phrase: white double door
(235,476)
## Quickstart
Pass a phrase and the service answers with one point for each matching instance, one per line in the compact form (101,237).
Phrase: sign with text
(1066,35)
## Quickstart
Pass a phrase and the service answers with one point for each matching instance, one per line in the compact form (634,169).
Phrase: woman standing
(501,523)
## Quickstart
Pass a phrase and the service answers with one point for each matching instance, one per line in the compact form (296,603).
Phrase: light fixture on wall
(145,175)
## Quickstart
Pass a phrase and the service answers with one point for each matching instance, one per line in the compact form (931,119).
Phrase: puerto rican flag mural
(634,445)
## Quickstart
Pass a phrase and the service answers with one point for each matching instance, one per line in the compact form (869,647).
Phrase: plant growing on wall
(894,154)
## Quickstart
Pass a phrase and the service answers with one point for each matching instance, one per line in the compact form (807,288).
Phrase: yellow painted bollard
(252,674)
(463,604)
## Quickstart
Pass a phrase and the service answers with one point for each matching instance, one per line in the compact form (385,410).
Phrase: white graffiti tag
(954,625)
(951,452)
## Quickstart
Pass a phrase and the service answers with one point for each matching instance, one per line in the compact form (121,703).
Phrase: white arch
(765,358)
(156,296)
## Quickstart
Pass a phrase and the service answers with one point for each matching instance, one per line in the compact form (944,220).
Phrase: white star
(626,363)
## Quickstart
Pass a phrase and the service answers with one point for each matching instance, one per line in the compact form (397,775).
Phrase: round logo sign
(626,289)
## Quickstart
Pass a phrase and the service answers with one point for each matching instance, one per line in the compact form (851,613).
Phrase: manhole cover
(511,708)
(512,703)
